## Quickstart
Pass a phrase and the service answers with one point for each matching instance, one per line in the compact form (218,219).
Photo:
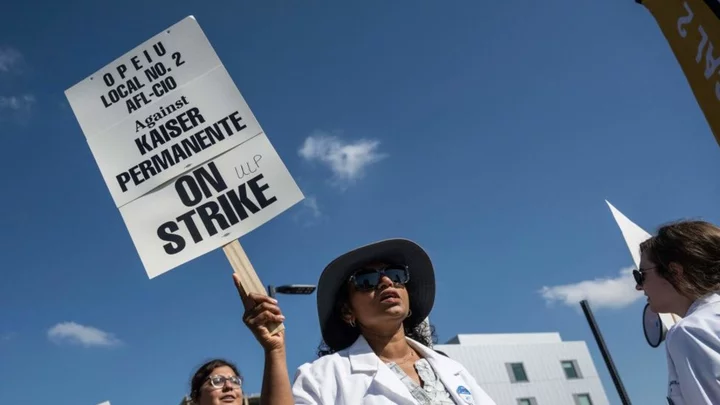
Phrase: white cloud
(610,293)
(6,337)
(347,161)
(9,59)
(16,108)
(311,204)
(88,336)
(17,103)
(310,213)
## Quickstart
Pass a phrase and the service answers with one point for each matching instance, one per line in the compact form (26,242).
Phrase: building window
(583,399)
(526,401)
(571,369)
(517,372)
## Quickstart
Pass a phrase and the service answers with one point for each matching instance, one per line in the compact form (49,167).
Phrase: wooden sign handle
(249,280)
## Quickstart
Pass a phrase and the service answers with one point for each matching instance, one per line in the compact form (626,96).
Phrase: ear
(347,314)
(676,269)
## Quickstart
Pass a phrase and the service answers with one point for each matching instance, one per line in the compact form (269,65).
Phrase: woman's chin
(658,309)
(394,312)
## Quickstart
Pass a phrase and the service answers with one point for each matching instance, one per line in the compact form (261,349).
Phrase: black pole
(605,353)
(271,291)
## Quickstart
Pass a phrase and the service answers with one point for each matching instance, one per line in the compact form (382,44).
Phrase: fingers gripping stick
(249,280)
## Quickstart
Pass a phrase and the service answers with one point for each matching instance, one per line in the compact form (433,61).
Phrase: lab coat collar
(449,372)
(363,359)
(437,360)
(702,301)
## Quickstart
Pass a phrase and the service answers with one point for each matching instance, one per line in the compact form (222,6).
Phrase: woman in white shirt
(680,274)
(372,302)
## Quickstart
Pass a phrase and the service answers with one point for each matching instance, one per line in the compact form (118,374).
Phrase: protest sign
(180,111)
(209,206)
(125,85)
(184,158)
(692,29)
(210,117)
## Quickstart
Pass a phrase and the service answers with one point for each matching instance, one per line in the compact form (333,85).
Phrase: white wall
(548,384)
(506,338)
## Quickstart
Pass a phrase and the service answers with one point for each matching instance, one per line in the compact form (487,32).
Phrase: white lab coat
(693,355)
(356,376)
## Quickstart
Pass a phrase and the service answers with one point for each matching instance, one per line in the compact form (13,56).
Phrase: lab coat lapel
(384,381)
(455,385)
(391,386)
(449,373)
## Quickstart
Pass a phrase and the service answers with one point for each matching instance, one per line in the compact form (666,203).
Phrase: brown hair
(694,245)
(204,371)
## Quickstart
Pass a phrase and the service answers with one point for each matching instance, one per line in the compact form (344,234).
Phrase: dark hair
(204,371)
(422,333)
(694,245)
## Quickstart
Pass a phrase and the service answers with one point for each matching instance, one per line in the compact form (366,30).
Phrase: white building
(529,368)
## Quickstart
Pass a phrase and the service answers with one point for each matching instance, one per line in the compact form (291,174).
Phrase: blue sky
(489,132)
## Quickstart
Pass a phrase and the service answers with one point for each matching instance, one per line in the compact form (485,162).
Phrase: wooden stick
(249,280)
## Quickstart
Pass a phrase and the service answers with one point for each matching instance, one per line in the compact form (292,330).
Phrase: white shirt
(693,355)
(356,376)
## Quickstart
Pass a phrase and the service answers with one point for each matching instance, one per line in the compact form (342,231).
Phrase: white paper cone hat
(634,236)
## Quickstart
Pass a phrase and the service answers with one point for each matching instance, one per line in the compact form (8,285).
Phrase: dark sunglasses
(367,279)
(639,275)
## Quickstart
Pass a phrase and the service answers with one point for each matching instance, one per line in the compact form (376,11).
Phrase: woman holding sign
(680,274)
(372,302)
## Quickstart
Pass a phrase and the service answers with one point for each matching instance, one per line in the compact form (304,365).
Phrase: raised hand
(261,312)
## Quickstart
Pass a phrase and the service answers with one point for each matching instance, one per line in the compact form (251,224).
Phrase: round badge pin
(465,395)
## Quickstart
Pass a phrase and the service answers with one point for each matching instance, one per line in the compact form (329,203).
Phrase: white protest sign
(184,158)
(210,206)
(211,117)
(181,109)
(125,85)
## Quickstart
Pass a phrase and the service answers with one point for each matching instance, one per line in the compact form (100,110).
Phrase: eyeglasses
(367,279)
(218,381)
(639,275)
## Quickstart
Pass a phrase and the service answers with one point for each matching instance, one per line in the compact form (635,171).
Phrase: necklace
(404,360)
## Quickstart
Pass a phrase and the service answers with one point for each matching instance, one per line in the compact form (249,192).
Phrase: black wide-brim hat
(336,333)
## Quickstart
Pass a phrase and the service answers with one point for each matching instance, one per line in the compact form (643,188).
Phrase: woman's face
(382,307)
(661,294)
(227,392)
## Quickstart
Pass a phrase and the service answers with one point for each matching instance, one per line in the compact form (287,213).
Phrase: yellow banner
(692,28)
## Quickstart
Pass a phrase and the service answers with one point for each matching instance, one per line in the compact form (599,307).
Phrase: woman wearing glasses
(680,274)
(372,302)
(216,382)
